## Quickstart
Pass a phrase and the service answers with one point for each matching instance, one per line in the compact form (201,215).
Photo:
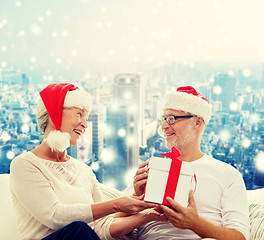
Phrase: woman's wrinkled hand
(132,205)
(140,178)
(154,214)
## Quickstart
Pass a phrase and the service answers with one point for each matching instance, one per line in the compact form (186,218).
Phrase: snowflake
(246,143)
(21,33)
(33,59)
(48,13)
(40,19)
(73,52)
(3,64)
(3,48)
(18,4)
(54,34)
(65,34)
(246,72)
(217,90)
(35,29)
(10,155)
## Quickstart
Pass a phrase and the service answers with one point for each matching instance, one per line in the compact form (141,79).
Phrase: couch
(8,225)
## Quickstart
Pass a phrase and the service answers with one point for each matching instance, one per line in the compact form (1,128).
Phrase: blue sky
(71,37)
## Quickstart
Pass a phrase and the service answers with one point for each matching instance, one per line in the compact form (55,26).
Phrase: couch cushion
(109,192)
(256,196)
(7,213)
(256,215)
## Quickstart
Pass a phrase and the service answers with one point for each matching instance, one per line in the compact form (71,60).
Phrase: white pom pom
(58,141)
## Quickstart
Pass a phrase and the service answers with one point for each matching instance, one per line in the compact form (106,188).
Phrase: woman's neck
(44,151)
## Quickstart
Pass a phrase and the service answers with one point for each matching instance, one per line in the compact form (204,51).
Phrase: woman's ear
(50,125)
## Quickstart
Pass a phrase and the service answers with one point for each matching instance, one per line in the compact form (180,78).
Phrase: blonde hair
(42,117)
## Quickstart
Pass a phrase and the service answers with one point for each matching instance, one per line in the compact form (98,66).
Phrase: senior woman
(58,197)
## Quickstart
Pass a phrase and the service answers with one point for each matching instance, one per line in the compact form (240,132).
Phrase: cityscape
(122,126)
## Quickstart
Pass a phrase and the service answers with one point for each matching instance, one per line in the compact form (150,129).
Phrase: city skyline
(235,133)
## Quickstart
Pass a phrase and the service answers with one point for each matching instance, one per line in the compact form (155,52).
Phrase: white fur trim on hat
(58,141)
(78,98)
(188,103)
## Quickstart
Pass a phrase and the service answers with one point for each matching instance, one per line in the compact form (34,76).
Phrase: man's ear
(199,122)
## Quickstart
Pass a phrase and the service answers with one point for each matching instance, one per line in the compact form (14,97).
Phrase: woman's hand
(125,224)
(154,214)
(140,178)
(132,205)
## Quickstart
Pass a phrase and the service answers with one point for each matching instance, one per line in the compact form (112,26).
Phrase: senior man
(218,209)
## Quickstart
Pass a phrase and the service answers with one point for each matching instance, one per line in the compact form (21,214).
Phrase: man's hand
(140,178)
(188,218)
(179,216)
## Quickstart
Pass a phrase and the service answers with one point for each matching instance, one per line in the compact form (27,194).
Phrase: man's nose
(164,124)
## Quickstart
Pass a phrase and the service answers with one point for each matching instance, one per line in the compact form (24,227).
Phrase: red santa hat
(189,100)
(54,98)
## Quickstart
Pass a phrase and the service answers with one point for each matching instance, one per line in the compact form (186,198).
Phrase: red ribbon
(172,181)
(174,174)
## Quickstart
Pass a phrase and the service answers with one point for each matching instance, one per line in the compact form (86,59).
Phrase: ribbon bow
(174,154)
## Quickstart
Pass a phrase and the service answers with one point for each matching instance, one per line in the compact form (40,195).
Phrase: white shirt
(49,195)
(220,198)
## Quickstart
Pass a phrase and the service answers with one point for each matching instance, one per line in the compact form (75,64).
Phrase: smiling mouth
(79,132)
(169,134)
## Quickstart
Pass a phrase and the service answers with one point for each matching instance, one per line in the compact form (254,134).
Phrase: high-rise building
(261,83)
(25,81)
(155,106)
(97,117)
(129,93)
(124,124)
(115,156)
(224,90)
(1,79)
(205,90)
(85,144)
(11,77)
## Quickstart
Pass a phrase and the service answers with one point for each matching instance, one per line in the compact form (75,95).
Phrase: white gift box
(167,177)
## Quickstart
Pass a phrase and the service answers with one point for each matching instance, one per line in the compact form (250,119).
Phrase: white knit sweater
(49,195)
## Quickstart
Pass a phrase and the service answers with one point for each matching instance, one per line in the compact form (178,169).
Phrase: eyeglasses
(171,119)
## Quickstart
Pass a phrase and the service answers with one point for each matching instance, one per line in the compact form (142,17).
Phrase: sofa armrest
(109,192)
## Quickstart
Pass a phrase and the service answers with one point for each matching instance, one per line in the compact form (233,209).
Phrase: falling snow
(51,43)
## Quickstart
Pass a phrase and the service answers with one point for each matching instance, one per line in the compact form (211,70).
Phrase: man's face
(179,134)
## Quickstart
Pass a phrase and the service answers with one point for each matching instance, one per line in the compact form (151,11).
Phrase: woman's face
(74,122)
